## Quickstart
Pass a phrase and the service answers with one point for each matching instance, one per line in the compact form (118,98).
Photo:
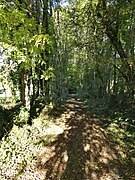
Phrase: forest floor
(79,148)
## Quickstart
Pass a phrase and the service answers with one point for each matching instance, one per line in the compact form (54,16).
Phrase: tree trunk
(112,34)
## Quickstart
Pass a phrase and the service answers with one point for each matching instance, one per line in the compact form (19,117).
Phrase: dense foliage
(52,47)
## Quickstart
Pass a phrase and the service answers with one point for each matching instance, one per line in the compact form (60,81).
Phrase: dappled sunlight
(82,151)
(53,129)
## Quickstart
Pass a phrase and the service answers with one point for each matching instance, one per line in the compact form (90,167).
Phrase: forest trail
(83,151)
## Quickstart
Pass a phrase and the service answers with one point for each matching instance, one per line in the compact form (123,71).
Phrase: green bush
(22,117)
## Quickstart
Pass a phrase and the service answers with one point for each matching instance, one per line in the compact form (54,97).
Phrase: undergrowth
(22,145)
(122,132)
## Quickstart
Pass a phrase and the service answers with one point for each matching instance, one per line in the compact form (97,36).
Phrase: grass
(22,145)
(123,134)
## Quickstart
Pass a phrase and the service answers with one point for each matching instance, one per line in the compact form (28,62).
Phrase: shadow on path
(83,151)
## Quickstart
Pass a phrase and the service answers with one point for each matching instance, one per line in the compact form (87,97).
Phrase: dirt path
(82,152)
